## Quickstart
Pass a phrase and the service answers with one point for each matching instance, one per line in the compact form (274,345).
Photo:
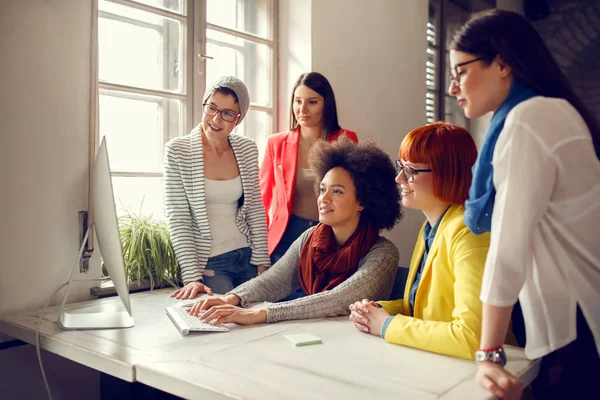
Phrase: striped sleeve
(178,214)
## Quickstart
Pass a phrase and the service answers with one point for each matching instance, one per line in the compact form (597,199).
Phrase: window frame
(127,91)
(193,20)
(273,42)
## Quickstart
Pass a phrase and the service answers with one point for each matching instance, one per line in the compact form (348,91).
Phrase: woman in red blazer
(286,181)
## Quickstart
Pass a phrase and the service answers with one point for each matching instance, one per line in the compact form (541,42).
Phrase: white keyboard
(188,323)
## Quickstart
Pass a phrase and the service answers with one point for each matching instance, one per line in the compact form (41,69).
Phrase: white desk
(117,351)
(257,362)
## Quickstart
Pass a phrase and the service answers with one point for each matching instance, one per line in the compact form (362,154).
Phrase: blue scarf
(480,205)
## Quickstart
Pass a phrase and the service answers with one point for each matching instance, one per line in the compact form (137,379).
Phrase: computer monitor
(104,218)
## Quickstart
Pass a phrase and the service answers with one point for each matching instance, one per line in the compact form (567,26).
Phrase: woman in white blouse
(212,197)
(536,186)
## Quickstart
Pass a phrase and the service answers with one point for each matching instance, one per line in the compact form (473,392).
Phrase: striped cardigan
(185,202)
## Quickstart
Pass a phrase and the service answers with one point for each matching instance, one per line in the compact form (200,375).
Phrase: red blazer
(278,179)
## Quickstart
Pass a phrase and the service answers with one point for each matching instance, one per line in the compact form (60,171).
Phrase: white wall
(373,53)
(44,102)
(295,52)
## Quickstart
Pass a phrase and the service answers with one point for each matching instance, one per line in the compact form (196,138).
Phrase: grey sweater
(373,280)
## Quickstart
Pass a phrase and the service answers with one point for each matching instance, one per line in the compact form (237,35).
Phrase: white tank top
(222,205)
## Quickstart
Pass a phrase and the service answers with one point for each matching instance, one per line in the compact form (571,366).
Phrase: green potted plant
(150,260)
(148,251)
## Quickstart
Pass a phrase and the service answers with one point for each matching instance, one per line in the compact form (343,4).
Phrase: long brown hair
(321,85)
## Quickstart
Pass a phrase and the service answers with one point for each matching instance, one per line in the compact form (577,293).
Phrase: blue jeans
(295,227)
(231,270)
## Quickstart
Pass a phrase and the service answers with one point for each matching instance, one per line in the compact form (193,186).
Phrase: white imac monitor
(104,218)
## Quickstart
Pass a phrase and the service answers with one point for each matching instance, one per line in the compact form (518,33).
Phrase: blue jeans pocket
(231,269)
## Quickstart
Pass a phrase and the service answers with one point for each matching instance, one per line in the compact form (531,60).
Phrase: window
(155,58)
(430,73)
(433,81)
(445,18)
(240,39)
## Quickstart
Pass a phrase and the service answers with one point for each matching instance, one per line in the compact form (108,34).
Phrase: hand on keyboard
(227,313)
(208,302)
(187,323)
(189,311)
(201,306)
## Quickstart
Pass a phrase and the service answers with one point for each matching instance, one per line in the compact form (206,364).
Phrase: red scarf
(323,266)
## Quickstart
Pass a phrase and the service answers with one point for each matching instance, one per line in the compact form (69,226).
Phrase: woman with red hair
(441,310)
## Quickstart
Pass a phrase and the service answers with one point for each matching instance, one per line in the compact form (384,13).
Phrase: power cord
(37,339)
(37,331)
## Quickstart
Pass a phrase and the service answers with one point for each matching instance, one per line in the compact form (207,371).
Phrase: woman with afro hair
(337,262)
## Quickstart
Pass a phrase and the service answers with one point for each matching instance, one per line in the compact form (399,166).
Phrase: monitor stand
(95,320)
(102,319)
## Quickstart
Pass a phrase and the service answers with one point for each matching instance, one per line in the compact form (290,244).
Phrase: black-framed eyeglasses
(226,115)
(409,172)
(455,79)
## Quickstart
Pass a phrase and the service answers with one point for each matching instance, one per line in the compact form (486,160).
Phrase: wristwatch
(497,356)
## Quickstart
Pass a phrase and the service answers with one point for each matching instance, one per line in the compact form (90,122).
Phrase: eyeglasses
(408,172)
(455,79)
(226,115)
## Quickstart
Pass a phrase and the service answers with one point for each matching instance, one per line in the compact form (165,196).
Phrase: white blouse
(545,238)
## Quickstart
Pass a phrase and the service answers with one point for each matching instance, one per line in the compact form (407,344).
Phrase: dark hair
(451,152)
(511,37)
(372,172)
(321,85)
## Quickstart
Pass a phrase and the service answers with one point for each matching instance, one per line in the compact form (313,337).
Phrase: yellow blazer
(447,309)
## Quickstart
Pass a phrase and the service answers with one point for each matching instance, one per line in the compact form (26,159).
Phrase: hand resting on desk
(499,381)
(191,290)
(367,317)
